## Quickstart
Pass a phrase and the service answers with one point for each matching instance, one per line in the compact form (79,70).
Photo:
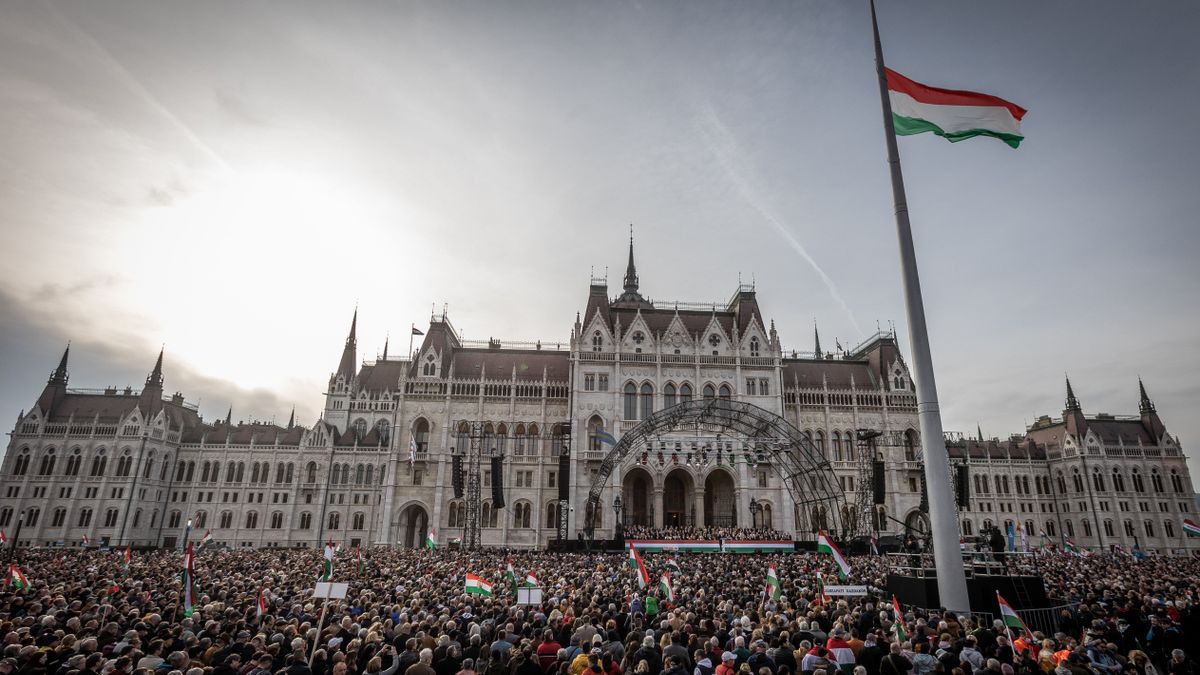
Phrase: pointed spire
(1072,402)
(346,366)
(816,340)
(229,416)
(1145,405)
(60,373)
(387,338)
(292,418)
(979,430)
(631,277)
(155,378)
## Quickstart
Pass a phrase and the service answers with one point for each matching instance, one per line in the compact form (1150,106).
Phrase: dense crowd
(407,613)
(678,533)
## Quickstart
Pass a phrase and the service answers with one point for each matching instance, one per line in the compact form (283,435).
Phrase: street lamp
(755,510)
(616,504)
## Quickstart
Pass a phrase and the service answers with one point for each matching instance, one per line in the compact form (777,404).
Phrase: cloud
(237,107)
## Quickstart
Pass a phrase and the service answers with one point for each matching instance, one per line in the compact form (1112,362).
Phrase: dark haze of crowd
(406,613)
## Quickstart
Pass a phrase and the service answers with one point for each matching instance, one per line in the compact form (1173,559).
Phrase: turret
(346,366)
(1073,414)
(56,386)
(1150,418)
(150,400)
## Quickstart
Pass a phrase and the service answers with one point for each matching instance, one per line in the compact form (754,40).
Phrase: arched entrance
(763,439)
(413,525)
(637,488)
(720,505)
(679,503)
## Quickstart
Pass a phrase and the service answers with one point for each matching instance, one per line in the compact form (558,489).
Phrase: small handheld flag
(431,539)
(826,545)
(327,563)
(260,609)
(189,581)
(511,575)
(3,539)
(86,542)
(773,589)
(16,578)
(204,541)
(901,629)
(635,563)
(128,557)
(530,579)
(1010,618)
(664,587)
(477,586)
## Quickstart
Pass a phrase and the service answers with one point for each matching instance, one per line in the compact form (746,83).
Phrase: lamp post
(755,511)
(12,548)
(619,527)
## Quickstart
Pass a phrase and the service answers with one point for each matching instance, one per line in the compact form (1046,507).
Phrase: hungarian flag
(1191,528)
(327,564)
(16,578)
(773,590)
(952,114)
(635,563)
(1070,547)
(431,539)
(4,539)
(511,575)
(128,556)
(361,565)
(664,587)
(86,542)
(673,565)
(189,581)
(477,586)
(901,629)
(822,597)
(1010,618)
(826,545)
(260,609)
(530,579)
(206,538)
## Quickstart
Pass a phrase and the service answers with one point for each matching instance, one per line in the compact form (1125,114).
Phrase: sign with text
(846,591)
(327,590)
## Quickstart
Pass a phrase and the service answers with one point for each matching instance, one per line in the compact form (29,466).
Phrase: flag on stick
(530,579)
(901,629)
(260,609)
(128,556)
(664,587)
(206,539)
(477,586)
(3,539)
(1010,618)
(1190,527)
(511,575)
(189,581)
(773,590)
(86,542)
(952,114)
(431,539)
(327,563)
(635,563)
(826,545)
(16,578)
(361,565)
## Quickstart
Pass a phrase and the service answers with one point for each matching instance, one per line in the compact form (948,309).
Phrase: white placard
(844,591)
(529,595)
(326,590)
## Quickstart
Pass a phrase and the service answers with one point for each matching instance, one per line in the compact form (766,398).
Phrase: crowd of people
(689,533)
(407,612)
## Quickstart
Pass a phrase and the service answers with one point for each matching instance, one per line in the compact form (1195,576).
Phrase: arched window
(385,431)
(421,435)
(647,400)
(594,427)
(551,515)
(226,520)
(1139,484)
(370,474)
(85,517)
(910,446)
(1069,528)
(458,514)
(241,471)
(1050,528)
(99,464)
(360,472)
(279,471)
(521,514)
(335,521)
(251,520)
(21,466)
(1156,480)
(1169,528)
(1128,528)
(501,438)
(725,392)
(200,519)
(819,441)
(519,440)
(1078,480)
(310,472)
(1108,529)
(230,472)
(1098,480)
(753,346)
(966,527)
(360,428)
(488,516)
(668,395)
(277,520)
(1062,484)
(1087,527)
(837,446)
(6,516)
(597,341)
(74,461)
(709,392)
(203,474)
(685,392)
(306,521)
(47,465)
(358,521)
(630,401)
(848,445)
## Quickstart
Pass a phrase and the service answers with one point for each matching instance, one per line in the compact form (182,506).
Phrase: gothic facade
(124,467)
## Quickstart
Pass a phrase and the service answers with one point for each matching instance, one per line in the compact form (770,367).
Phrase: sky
(228,181)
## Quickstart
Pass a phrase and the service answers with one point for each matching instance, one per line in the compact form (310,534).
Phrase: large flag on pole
(826,545)
(773,589)
(530,579)
(635,563)
(477,586)
(1191,528)
(1010,618)
(952,114)
(189,581)
(901,629)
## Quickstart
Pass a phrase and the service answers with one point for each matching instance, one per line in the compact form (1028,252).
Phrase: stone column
(658,507)
(699,506)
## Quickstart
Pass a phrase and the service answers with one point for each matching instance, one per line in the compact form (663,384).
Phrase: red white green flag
(635,563)
(16,577)
(1009,616)
(128,557)
(1191,528)
(901,629)
(189,581)
(3,539)
(260,609)
(531,579)
(511,575)
(826,545)
(477,586)
(773,590)
(950,113)
(361,564)
(665,588)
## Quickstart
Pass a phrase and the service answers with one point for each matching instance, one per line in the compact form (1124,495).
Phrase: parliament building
(127,467)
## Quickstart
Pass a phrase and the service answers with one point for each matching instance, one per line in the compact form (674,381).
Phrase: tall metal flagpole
(943,516)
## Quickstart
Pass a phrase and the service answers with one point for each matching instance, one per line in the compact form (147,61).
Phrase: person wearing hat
(728,664)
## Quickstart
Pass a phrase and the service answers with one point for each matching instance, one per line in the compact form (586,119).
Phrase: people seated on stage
(691,533)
